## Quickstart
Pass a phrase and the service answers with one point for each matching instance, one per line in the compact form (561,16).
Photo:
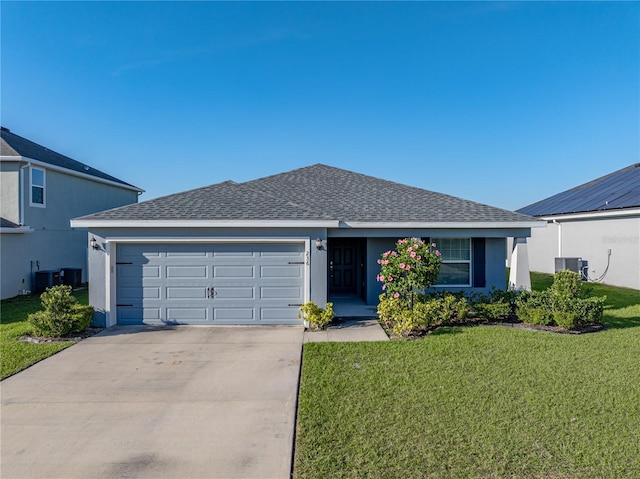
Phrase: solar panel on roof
(620,189)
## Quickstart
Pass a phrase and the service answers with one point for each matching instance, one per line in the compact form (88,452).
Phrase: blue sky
(500,103)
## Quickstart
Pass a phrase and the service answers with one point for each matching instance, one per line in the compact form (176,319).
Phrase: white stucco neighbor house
(40,191)
(254,252)
(597,223)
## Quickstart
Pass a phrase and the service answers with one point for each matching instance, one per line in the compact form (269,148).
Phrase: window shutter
(479,263)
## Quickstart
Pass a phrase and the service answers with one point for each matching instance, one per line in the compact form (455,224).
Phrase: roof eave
(49,166)
(444,224)
(619,213)
(115,223)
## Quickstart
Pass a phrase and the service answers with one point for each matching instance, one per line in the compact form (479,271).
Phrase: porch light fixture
(319,243)
(94,243)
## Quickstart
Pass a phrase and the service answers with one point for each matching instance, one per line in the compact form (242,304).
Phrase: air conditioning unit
(577,265)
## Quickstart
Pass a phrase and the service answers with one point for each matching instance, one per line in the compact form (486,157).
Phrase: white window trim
(43,186)
(458,261)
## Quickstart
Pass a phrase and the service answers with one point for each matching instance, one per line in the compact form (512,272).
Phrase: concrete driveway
(145,402)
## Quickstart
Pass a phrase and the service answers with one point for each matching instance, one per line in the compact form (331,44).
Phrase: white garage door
(214,283)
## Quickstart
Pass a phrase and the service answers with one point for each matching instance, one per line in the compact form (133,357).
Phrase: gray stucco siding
(53,244)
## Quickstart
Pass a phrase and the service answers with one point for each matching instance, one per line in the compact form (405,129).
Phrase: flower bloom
(433,245)
(384,286)
(396,295)
(381,278)
(401,265)
(408,267)
(389,278)
(413,254)
(437,253)
(418,257)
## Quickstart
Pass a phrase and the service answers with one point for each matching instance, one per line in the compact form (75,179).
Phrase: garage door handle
(211,293)
(295,304)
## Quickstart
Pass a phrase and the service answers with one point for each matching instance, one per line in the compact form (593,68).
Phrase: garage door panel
(194,272)
(276,292)
(230,292)
(187,314)
(233,272)
(210,283)
(186,292)
(285,271)
(279,314)
(233,314)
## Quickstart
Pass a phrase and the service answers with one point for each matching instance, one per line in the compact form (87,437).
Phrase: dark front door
(345,265)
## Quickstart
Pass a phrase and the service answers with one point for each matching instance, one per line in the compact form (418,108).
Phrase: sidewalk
(348,330)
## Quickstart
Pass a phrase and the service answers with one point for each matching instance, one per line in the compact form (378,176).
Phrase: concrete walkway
(347,330)
(144,402)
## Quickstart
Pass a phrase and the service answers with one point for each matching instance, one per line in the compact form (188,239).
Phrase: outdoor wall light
(94,243)
(319,243)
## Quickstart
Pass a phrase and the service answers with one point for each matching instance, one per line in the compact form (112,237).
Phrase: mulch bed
(72,337)
(508,322)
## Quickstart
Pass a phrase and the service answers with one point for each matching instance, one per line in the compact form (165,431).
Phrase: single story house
(253,252)
(596,225)
(40,191)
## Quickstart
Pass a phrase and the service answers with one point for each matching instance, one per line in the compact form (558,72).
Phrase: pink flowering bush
(412,267)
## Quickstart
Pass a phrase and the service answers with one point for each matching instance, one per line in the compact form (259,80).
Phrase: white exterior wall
(591,239)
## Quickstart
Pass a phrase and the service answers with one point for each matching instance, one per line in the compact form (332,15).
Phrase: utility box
(577,265)
(72,277)
(45,279)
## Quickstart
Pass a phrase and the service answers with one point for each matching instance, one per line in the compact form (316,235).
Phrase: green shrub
(564,304)
(564,319)
(428,311)
(498,310)
(315,315)
(62,314)
(590,310)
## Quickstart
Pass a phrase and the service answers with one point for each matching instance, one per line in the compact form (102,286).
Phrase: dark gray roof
(317,192)
(14,145)
(617,190)
(5,223)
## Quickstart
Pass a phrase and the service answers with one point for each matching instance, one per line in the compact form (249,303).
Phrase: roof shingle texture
(617,190)
(316,192)
(14,145)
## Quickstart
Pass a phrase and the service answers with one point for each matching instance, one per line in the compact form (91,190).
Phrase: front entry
(346,266)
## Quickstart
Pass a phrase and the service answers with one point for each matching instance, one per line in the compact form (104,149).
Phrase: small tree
(412,267)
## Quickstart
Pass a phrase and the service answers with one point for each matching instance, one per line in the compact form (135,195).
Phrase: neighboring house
(41,190)
(253,252)
(598,222)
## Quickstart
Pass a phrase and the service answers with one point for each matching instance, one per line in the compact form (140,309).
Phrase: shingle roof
(15,145)
(5,223)
(617,190)
(316,192)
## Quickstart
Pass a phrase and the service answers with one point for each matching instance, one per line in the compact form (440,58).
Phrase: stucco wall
(101,261)
(54,244)
(592,240)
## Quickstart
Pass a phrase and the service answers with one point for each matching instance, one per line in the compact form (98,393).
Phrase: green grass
(16,355)
(477,402)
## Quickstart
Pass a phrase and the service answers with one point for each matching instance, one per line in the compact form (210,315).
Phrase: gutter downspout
(22,192)
(559,237)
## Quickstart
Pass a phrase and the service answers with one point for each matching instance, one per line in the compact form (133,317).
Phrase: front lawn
(17,355)
(468,402)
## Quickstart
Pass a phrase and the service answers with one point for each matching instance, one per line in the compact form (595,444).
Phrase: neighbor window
(37,187)
(455,269)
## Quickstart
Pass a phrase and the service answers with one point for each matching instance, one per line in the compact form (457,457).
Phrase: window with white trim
(455,269)
(38,185)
